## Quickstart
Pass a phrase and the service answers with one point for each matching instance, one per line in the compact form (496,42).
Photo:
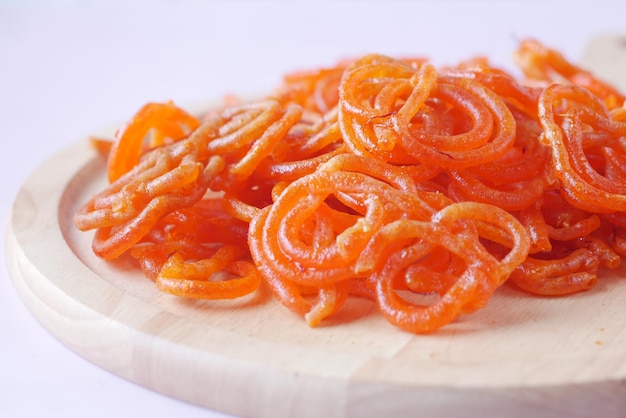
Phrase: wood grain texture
(521,356)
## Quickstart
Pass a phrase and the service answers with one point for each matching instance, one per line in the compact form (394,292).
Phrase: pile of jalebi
(379,178)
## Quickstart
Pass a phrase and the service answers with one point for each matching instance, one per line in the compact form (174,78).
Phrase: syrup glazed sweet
(377,178)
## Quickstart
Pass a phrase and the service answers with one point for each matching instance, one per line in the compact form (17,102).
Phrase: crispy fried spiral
(377,178)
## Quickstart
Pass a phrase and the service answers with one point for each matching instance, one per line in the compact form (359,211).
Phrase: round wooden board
(520,356)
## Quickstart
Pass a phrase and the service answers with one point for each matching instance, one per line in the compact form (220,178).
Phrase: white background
(69,68)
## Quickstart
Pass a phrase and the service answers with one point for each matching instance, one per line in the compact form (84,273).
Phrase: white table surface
(68,68)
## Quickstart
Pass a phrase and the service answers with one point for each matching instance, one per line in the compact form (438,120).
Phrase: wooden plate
(520,356)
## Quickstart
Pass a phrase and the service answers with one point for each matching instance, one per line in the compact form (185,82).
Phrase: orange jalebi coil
(419,189)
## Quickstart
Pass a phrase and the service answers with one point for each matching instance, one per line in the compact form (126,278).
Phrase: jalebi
(419,189)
